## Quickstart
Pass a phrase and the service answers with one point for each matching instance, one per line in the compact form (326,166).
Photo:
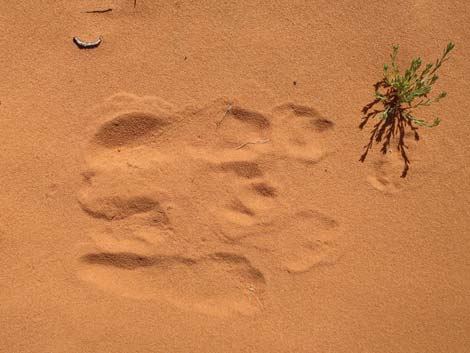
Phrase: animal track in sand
(117,207)
(250,117)
(181,213)
(312,241)
(219,284)
(129,129)
(381,179)
(386,169)
(244,169)
(301,132)
(264,189)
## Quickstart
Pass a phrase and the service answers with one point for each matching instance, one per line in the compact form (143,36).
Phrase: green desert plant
(399,95)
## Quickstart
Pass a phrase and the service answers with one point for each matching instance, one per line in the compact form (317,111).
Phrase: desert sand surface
(193,183)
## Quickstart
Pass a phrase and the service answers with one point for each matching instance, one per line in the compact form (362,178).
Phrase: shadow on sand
(391,128)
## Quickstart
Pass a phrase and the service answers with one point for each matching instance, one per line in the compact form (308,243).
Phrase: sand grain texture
(193,183)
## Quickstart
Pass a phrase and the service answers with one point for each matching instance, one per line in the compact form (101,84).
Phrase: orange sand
(193,184)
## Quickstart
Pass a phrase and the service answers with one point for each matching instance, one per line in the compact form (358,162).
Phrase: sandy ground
(193,184)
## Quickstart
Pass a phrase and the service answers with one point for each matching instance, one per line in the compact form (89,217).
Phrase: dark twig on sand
(98,11)
(252,143)
(227,111)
